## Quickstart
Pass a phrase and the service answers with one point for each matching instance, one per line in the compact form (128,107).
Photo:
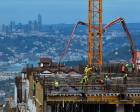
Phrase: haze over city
(68,11)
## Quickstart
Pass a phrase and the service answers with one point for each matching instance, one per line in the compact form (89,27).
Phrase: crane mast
(95,35)
(90,34)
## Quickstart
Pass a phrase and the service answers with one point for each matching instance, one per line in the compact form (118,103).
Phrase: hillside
(25,48)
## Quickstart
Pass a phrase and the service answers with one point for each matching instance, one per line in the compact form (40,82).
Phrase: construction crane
(132,47)
(106,28)
(95,32)
(94,36)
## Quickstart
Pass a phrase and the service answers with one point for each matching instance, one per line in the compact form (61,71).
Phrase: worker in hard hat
(84,80)
(88,70)
(107,82)
(106,77)
(101,81)
(130,67)
(34,88)
(94,79)
(126,64)
(126,67)
(56,85)
(133,67)
(123,68)
(125,78)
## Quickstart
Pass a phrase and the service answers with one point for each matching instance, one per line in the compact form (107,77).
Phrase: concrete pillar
(120,108)
(39,97)
(48,108)
(15,95)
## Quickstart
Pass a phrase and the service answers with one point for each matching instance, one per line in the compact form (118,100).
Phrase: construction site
(93,87)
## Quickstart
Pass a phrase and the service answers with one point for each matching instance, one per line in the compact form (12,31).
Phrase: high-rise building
(30,26)
(35,26)
(39,22)
(4,28)
(12,26)
(19,27)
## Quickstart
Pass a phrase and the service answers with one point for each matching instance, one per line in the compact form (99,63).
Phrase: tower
(39,22)
(95,35)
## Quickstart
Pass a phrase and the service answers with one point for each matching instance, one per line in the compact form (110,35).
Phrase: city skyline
(55,12)
(18,27)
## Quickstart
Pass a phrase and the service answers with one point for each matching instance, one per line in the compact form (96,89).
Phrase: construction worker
(34,88)
(130,67)
(125,78)
(133,67)
(94,79)
(107,82)
(101,81)
(84,80)
(126,67)
(88,70)
(85,71)
(126,64)
(56,85)
(123,68)
(106,77)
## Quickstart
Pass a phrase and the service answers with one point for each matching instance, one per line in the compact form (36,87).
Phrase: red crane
(106,28)
(132,47)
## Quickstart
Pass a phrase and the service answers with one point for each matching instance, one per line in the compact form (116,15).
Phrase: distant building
(19,27)
(12,27)
(35,26)
(4,28)
(31,26)
(39,22)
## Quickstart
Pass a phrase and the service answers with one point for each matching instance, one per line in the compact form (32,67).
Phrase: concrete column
(48,108)
(120,108)
(15,95)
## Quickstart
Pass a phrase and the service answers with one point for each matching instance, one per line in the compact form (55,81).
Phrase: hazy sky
(65,11)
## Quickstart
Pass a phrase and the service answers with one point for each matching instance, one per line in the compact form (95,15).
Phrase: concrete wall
(39,97)
(30,76)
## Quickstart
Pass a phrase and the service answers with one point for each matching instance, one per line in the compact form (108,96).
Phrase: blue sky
(66,11)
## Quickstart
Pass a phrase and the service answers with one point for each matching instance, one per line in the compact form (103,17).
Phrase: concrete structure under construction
(37,90)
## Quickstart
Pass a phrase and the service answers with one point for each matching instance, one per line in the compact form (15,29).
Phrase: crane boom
(122,21)
(106,28)
(70,39)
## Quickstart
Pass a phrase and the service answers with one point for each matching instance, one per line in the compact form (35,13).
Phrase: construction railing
(92,89)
